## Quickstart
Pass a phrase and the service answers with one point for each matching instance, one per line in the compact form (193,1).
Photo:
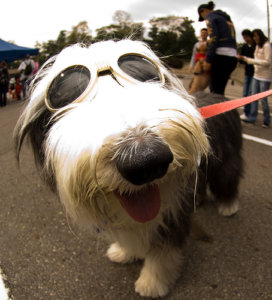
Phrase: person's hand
(241,57)
(191,69)
(206,66)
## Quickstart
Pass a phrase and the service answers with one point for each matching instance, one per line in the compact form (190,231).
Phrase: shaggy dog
(125,148)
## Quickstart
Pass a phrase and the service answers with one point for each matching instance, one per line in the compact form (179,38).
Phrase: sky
(30,21)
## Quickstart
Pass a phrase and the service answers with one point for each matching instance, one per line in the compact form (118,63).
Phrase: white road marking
(257,140)
(3,289)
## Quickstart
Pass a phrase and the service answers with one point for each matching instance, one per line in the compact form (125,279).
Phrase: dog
(123,144)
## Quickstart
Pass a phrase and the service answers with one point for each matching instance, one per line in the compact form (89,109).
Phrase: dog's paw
(148,285)
(228,209)
(117,254)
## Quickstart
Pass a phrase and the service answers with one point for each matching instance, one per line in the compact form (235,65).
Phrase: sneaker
(246,122)
(243,117)
(265,125)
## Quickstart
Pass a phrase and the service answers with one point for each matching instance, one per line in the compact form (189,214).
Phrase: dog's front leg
(119,255)
(160,271)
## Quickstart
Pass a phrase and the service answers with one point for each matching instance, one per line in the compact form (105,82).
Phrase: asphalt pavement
(44,256)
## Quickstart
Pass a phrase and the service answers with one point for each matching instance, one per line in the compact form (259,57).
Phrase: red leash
(219,108)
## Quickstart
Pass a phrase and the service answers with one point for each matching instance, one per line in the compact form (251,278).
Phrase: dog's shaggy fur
(129,160)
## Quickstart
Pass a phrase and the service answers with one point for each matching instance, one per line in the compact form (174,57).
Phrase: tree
(47,49)
(121,17)
(187,38)
(80,34)
(62,40)
(172,38)
(122,28)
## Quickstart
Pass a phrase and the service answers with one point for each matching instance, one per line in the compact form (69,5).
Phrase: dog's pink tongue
(143,205)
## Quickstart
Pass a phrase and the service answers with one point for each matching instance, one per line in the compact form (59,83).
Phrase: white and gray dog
(127,151)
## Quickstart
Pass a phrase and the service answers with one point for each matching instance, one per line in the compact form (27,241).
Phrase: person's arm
(241,56)
(192,62)
(33,65)
(243,50)
(262,62)
(213,40)
(7,73)
(21,67)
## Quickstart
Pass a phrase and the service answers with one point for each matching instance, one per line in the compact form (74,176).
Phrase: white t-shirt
(262,62)
(23,66)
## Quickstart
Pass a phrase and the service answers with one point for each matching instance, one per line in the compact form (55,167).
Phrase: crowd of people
(17,84)
(221,57)
(4,83)
(262,76)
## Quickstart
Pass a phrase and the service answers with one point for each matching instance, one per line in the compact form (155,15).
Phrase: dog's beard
(83,163)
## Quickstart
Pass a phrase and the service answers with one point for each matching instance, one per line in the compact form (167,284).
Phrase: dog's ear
(34,127)
(34,121)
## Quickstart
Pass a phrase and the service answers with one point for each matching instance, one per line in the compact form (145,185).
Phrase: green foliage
(122,28)
(171,37)
(79,34)
(118,32)
(187,38)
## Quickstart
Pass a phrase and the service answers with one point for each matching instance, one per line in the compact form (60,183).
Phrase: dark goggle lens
(68,86)
(139,68)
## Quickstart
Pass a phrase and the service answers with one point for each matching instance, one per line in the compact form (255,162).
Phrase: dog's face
(116,134)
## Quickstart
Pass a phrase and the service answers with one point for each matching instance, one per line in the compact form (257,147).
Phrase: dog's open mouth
(143,205)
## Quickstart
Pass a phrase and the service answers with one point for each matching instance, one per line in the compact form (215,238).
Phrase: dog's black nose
(144,162)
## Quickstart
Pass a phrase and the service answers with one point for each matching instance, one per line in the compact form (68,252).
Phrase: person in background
(26,70)
(35,71)
(222,50)
(18,87)
(201,78)
(262,77)
(4,83)
(203,40)
(247,50)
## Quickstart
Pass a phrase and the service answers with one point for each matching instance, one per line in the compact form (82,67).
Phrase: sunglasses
(74,83)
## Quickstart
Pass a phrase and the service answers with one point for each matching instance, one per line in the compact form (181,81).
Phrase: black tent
(10,52)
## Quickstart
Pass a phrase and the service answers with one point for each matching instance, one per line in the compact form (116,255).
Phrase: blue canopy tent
(10,52)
